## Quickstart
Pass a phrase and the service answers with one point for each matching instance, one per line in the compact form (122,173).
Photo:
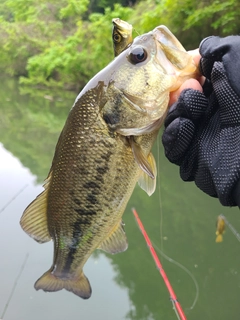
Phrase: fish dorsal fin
(145,182)
(116,240)
(142,160)
(34,218)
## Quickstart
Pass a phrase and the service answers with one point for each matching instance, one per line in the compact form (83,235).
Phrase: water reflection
(127,285)
(26,303)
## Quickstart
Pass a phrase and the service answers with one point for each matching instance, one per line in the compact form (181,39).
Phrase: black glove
(202,130)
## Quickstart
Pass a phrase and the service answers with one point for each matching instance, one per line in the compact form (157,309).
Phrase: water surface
(179,219)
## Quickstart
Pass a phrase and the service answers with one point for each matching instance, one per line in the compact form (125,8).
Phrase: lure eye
(138,54)
(117,37)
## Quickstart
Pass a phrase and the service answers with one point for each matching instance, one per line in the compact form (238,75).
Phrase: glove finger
(236,193)
(191,105)
(229,101)
(205,66)
(219,164)
(226,50)
(177,138)
(207,50)
(189,164)
(207,87)
(214,47)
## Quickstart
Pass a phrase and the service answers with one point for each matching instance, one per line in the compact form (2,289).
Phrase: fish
(121,35)
(103,150)
(220,228)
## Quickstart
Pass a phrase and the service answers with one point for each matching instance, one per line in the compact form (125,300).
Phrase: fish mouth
(171,54)
(122,25)
(166,38)
(163,44)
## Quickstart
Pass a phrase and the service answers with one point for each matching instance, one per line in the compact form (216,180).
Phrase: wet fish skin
(103,150)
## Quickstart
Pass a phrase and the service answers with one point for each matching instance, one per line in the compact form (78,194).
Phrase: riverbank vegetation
(63,43)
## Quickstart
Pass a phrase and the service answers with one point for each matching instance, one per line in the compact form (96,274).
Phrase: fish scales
(103,150)
(92,186)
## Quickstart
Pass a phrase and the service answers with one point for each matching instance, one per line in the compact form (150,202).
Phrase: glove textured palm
(202,130)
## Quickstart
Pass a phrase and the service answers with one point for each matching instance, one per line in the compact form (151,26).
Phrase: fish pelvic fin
(34,218)
(78,285)
(145,182)
(146,163)
(116,241)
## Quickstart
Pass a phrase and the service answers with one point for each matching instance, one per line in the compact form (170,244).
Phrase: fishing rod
(184,269)
(173,297)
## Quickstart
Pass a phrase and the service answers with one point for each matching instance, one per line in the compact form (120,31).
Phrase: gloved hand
(202,130)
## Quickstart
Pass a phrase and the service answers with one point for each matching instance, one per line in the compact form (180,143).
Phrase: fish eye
(137,55)
(117,37)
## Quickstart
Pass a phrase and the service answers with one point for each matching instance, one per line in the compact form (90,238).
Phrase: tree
(63,43)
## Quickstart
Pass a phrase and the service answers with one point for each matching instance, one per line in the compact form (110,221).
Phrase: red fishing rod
(173,297)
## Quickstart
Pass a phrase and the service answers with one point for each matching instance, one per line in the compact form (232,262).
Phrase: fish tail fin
(78,285)
(219,238)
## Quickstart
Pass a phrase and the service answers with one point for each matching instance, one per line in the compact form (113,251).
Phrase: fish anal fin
(34,218)
(145,182)
(116,241)
(78,285)
(142,160)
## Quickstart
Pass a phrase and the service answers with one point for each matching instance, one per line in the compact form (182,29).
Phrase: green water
(179,219)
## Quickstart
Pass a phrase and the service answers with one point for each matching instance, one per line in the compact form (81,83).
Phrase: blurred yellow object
(220,228)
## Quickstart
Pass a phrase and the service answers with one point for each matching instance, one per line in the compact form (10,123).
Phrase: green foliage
(56,43)
(72,61)
(73,8)
(173,14)
(100,5)
(222,15)
(25,32)
(189,20)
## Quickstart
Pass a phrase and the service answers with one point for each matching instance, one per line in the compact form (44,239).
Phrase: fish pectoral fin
(34,218)
(146,163)
(78,285)
(145,182)
(116,241)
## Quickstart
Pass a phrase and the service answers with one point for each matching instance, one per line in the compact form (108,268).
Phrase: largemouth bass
(103,150)
(121,35)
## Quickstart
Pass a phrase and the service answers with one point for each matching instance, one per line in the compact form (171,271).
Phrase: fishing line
(175,309)
(233,230)
(183,268)
(161,234)
(14,285)
(13,198)
(136,31)
(159,194)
